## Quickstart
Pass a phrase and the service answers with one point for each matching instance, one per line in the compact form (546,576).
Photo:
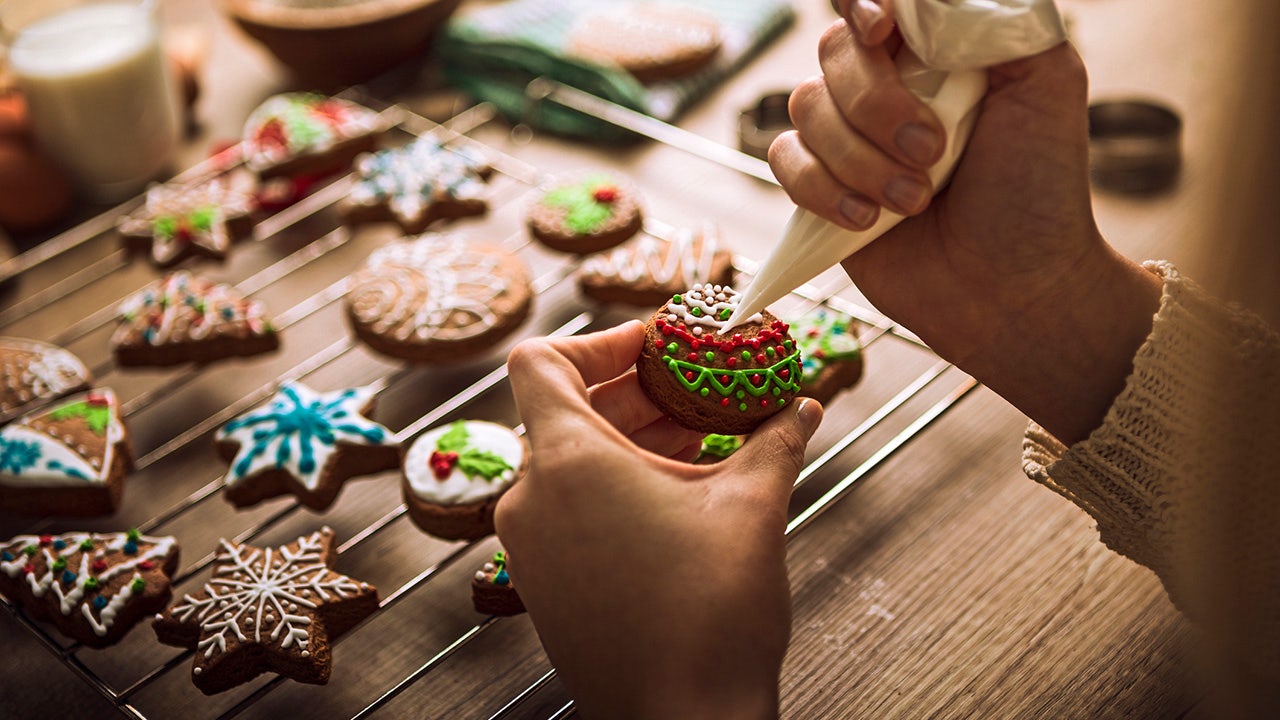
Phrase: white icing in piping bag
(957,40)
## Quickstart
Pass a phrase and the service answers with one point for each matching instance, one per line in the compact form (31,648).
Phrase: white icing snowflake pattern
(412,178)
(266,596)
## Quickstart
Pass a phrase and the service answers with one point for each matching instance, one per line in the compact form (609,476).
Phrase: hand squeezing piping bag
(948,46)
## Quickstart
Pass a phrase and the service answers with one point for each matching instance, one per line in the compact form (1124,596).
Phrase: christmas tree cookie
(304,443)
(454,475)
(93,587)
(711,379)
(201,219)
(33,372)
(585,213)
(185,318)
(306,134)
(68,459)
(492,592)
(832,355)
(418,184)
(267,610)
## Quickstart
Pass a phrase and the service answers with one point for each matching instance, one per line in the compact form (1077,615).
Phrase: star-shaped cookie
(304,443)
(201,218)
(267,610)
(417,184)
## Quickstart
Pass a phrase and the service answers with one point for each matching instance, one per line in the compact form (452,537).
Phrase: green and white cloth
(493,52)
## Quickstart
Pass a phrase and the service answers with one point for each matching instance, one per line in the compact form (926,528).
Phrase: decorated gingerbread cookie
(714,381)
(492,592)
(652,41)
(307,134)
(267,610)
(648,270)
(93,587)
(417,184)
(186,318)
(832,355)
(304,443)
(438,298)
(454,475)
(35,372)
(585,213)
(68,459)
(202,219)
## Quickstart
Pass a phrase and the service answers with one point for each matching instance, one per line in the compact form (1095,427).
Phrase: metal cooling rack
(53,278)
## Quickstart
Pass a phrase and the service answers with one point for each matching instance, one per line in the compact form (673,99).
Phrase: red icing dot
(737,337)
(146,565)
(667,329)
(761,359)
(694,343)
(724,402)
(689,376)
(442,464)
(724,379)
(183,233)
(28,568)
(693,357)
(658,344)
(732,362)
(755,343)
(784,373)
(605,194)
(755,379)
(814,333)
(764,402)
(97,399)
(46,539)
(99,565)
(819,354)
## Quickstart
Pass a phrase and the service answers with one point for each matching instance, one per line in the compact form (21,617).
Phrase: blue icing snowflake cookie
(304,443)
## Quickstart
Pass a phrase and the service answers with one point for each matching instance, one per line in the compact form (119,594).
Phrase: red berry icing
(605,194)
(442,464)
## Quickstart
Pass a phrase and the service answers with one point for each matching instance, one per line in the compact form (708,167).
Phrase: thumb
(775,451)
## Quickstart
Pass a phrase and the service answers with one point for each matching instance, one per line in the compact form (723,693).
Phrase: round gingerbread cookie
(832,355)
(712,380)
(454,475)
(585,213)
(648,270)
(652,41)
(438,298)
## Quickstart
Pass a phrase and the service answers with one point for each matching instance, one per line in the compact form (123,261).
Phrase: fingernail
(810,414)
(859,211)
(918,143)
(906,194)
(865,15)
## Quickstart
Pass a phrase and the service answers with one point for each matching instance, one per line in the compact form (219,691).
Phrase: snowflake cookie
(68,459)
(93,587)
(186,318)
(33,371)
(417,184)
(304,443)
(267,610)
(438,298)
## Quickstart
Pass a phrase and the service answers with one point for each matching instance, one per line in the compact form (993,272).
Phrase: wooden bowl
(337,45)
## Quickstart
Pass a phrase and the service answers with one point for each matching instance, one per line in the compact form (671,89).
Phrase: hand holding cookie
(649,580)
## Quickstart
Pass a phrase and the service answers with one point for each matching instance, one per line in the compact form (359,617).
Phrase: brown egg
(34,192)
(13,115)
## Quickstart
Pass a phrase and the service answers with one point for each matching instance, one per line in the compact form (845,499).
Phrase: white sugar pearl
(480,575)
(697,330)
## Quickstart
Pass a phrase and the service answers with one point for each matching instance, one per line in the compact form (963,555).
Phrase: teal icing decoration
(298,430)
(17,456)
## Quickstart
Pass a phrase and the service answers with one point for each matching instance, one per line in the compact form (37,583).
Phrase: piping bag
(948,46)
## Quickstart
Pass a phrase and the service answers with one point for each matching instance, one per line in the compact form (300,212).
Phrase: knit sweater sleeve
(1181,476)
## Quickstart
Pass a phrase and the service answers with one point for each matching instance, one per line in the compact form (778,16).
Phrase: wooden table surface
(947,585)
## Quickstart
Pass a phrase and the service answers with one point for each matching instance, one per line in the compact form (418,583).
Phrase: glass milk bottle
(100,96)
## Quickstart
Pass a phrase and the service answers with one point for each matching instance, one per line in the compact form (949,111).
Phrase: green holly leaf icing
(456,439)
(721,445)
(583,213)
(97,417)
(165,226)
(480,463)
(202,218)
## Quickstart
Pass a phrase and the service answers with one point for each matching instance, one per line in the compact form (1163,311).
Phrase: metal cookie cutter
(759,124)
(1134,145)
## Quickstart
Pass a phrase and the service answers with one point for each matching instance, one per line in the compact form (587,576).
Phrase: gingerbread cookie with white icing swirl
(647,270)
(438,298)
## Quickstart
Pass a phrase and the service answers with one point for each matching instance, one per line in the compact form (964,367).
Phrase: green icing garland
(705,379)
